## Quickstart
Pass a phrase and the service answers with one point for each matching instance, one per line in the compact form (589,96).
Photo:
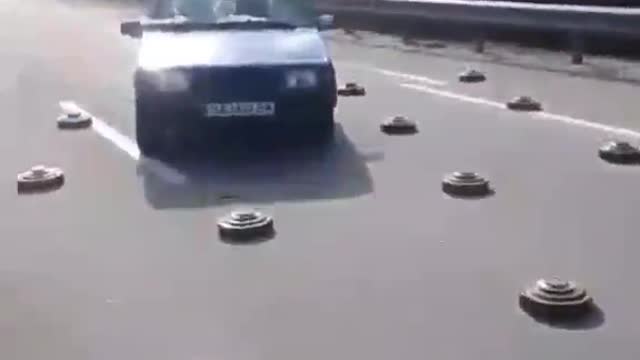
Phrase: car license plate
(240,109)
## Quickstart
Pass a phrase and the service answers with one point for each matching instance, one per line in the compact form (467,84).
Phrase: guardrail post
(576,42)
(479,42)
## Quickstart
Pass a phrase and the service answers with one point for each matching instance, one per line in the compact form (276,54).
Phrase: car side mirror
(325,22)
(132,28)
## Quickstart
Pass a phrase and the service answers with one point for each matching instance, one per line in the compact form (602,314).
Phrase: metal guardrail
(573,19)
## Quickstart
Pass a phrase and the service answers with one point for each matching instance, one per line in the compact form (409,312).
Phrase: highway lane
(511,71)
(370,259)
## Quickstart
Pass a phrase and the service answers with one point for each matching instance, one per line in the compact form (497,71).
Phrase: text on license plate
(240,109)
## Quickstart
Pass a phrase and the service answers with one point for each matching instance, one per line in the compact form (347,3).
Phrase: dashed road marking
(395,74)
(127,145)
(410,77)
(541,115)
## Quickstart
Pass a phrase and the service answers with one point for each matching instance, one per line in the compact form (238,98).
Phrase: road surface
(370,261)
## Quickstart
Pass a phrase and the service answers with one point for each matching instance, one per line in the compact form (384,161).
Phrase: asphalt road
(370,260)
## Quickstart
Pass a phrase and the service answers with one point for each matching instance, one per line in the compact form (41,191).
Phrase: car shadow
(278,173)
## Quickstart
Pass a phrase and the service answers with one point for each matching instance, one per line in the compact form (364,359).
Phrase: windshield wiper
(230,23)
(255,24)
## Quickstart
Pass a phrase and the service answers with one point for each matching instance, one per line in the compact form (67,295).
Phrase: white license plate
(240,109)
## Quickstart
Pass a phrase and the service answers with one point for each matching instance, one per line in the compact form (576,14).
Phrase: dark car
(203,76)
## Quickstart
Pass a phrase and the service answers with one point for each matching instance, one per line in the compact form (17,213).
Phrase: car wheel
(323,131)
(148,134)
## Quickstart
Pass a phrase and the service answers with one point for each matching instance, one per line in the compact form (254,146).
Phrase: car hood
(161,50)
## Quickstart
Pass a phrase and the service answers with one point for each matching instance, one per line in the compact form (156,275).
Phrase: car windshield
(230,12)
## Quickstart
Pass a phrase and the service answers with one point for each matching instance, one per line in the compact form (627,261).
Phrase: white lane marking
(127,145)
(455,96)
(410,77)
(542,115)
(393,73)
(122,142)
(167,173)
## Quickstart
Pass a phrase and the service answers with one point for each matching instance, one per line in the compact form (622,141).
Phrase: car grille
(237,84)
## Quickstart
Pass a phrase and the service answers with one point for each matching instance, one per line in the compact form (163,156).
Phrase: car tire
(148,135)
(324,129)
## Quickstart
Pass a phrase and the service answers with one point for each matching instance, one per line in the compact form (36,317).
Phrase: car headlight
(166,80)
(301,79)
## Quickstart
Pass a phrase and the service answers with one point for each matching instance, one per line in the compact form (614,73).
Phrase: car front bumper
(182,110)
(185,118)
